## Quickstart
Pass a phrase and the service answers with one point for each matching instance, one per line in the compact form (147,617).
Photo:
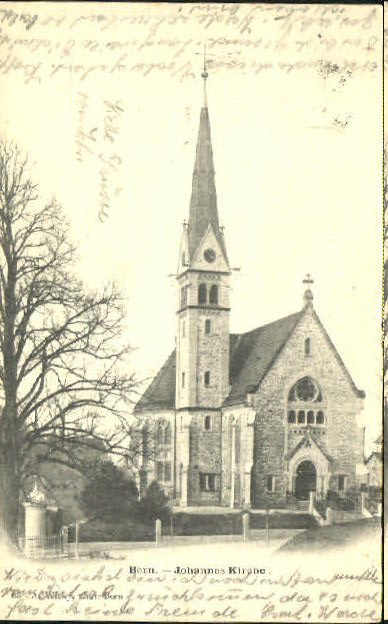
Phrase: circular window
(209,255)
(304,390)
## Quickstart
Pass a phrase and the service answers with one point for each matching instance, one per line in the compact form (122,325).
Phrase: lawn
(187,524)
(334,536)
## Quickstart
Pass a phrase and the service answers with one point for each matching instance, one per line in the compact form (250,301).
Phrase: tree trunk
(9,500)
(9,438)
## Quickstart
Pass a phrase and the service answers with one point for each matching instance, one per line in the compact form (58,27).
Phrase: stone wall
(197,351)
(340,437)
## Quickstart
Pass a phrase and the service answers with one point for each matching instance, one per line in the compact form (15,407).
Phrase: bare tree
(63,368)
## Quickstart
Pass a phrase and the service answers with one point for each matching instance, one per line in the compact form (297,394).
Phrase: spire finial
(308,295)
(204,76)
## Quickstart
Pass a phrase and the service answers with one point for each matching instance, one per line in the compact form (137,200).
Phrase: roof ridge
(283,318)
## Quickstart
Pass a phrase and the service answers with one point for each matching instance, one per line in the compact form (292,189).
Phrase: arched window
(291,416)
(167,435)
(183,296)
(213,294)
(206,378)
(160,433)
(202,294)
(145,443)
(307,346)
(304,396)
(207,423)
(208,326)
(167,471)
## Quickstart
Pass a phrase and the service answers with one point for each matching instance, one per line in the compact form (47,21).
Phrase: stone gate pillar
(35,522)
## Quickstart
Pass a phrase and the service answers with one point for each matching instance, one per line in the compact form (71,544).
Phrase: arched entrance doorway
(306,480)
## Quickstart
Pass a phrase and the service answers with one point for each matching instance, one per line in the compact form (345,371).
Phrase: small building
(374,464)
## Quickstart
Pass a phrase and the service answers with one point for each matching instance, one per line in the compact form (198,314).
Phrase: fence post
(76,539)
(158,531)
(64,539)
(364,497)
(245,523)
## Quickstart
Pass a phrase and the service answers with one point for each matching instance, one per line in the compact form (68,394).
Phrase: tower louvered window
(213,299)
(202,294)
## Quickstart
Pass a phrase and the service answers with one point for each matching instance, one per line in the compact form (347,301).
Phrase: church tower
(202,342)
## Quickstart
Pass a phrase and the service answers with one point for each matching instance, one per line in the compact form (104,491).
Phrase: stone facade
(260,418)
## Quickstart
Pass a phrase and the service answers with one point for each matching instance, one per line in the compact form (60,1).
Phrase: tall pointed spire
(203,204)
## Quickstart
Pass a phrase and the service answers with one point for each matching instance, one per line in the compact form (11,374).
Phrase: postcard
(191,251)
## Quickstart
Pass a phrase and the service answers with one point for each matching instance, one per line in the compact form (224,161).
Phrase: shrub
(109,495)
(155,504)
(101,531)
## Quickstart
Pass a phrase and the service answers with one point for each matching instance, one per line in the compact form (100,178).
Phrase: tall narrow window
(202,294)
(291,416)
(183,258)
(167,434)
(320,418)
(341,482)
(301,416)
(307,346)
(183,296)
(208,326)
(167,471)
(213,294)
(207,423)
(183,380)
(310,417)
(270,483)
(160,434)
(207,378)
(207,482)
(145,443)
(159,471)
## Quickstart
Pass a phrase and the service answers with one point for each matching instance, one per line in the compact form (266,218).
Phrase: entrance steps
(303,505)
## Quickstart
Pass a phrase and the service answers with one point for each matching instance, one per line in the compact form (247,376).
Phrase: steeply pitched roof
(251,355)
(254,354)
(160,394)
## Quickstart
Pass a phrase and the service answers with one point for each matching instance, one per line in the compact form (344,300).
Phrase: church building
(254,419)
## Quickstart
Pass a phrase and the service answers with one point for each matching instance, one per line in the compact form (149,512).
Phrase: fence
(43,547)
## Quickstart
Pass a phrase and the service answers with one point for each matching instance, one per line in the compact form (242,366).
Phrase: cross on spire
(308,295)
(308,280)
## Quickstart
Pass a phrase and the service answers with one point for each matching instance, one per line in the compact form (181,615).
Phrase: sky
(295,113)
